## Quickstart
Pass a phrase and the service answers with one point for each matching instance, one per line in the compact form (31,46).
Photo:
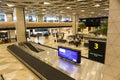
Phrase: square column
(40,18)
(112,60)
(60,19)
(20,24)
(75,24)
(9,17)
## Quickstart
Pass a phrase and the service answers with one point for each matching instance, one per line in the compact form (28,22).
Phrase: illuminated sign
(69,54)
(97,51)
(95,45)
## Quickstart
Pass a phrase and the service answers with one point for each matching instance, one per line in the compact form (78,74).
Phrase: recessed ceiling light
(105,15)
(82,10)
(97,5)
(106,3)
(106,9)
(46,3)
(1,0)
(10,5)
(80,0)
(97,0)
(43,9)
(68,7)
(61,11)
(92,12)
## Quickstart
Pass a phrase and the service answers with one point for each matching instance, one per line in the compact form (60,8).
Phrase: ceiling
(85,8)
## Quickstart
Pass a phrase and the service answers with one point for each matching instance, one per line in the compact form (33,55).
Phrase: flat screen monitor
(69,54)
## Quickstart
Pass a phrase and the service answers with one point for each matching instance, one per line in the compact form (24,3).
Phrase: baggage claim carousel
(47,65)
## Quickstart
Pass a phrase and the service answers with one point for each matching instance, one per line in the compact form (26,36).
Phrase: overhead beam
(11,25)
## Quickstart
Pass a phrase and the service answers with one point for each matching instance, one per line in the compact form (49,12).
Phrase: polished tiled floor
(86,70)
(11,68)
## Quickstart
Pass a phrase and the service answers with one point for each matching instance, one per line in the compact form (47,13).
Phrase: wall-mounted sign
(97,50)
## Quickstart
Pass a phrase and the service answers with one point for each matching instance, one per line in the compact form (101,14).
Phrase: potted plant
(81,26)
(102,29)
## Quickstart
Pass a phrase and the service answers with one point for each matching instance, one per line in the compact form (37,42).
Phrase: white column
(112,60)
(60,19)
(9,17)
(75,24)
(40,18)
(20,24)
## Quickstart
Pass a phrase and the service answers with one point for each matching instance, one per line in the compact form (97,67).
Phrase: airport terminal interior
(59,40)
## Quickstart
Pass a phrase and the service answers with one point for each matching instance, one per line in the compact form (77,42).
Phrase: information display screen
(69,54)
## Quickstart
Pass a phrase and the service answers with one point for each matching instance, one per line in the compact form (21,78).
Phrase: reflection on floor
(11,68)
(50,42)
(86,70)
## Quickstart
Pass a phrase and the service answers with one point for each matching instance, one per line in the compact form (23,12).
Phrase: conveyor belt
(1,77)
(31,47)
(41,67)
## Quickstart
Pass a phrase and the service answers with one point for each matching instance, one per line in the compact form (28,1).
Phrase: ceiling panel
(85,8)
